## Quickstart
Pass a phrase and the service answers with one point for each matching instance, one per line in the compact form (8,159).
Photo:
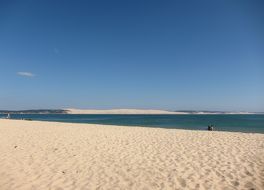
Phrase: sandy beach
(143,112)
(59,156)
(122,111)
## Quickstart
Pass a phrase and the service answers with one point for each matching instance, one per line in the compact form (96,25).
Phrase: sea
(250,123)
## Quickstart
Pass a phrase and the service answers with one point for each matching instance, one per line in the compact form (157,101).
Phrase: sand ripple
(46,155)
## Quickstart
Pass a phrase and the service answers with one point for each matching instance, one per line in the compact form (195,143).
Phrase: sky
(172,55)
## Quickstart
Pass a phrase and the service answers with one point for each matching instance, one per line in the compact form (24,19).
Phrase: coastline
(151,112)
(87,156)
(122,111)
(125,112)
(216,130)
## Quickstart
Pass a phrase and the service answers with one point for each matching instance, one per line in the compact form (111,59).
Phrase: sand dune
(145,111)
(120,111)
(49,155)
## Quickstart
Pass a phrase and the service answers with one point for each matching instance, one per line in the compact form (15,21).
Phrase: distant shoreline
(121,112)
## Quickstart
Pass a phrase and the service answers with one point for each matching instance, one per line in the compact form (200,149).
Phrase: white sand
(49,155)
(141,111)
(120,111)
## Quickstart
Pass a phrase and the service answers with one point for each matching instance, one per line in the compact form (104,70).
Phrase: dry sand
(120,111)
(142,111)
(49,155)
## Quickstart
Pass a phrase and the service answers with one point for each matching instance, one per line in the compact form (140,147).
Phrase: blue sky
(174,55)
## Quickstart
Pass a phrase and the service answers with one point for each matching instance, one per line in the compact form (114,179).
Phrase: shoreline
(74,111)
(131,126)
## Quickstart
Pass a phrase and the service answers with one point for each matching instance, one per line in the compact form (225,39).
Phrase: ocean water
(241,123)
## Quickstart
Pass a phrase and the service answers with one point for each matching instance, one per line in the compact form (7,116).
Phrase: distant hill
(39,111)
(118,111)
(122,111)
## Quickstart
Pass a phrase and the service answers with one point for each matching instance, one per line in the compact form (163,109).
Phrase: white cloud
(26,74)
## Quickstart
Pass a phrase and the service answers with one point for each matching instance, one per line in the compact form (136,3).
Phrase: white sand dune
(142,111)
(50,155)
(120,111)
